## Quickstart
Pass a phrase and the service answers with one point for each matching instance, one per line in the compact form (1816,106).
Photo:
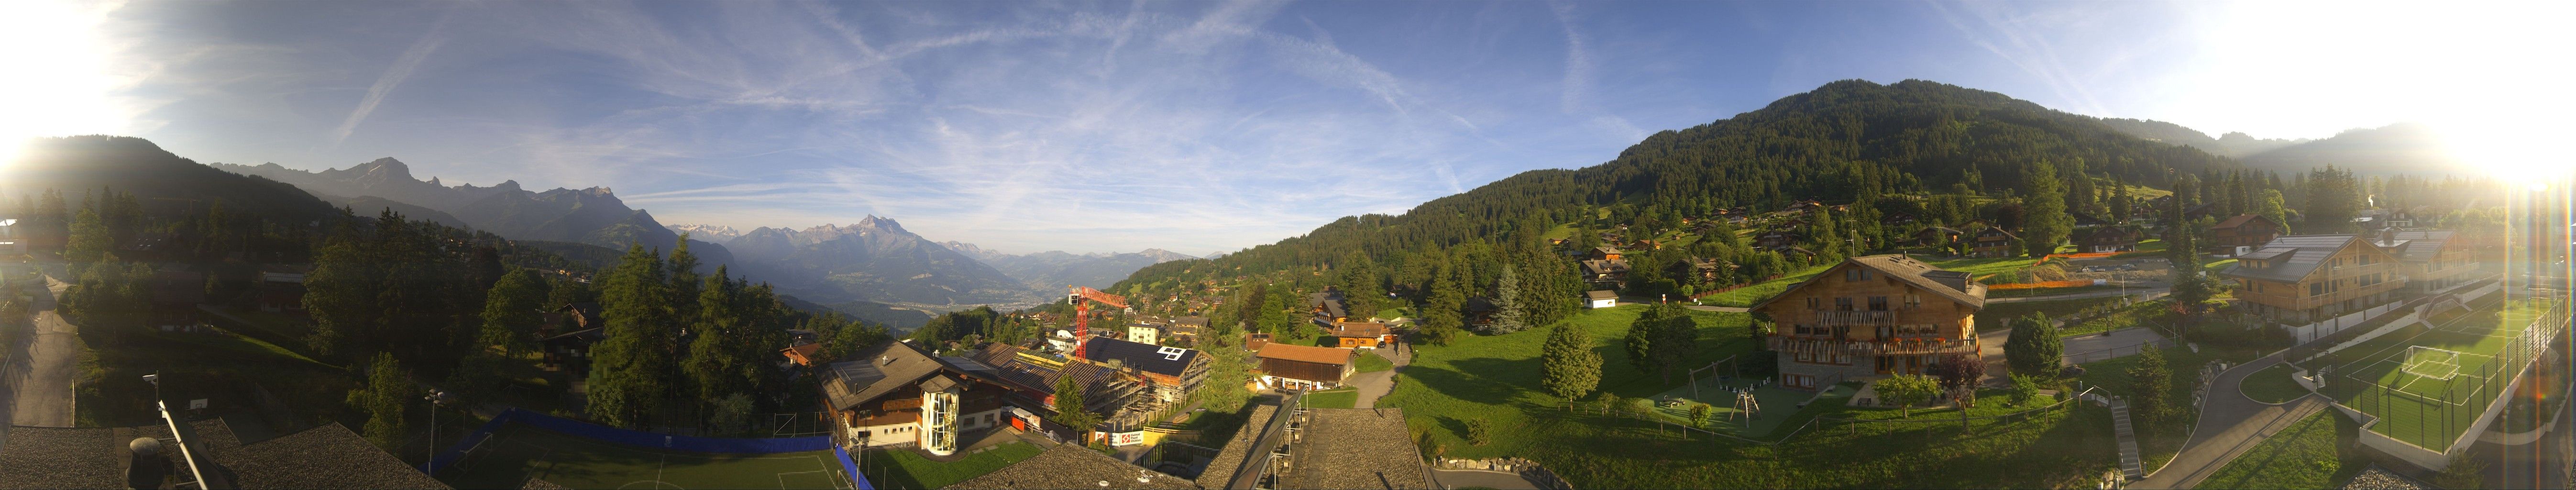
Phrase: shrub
(2024,390)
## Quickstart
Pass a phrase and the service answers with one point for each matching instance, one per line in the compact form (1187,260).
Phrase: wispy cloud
(2019,39)
(393,77)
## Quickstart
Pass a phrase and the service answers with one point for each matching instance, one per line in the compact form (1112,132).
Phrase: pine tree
(386,397)
(1573,369)
(1508,314)
(1069,409)
(2045,220)
(2149,381)
(1443,315)
(631,362)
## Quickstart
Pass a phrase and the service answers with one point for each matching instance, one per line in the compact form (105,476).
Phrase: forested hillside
(1938,152)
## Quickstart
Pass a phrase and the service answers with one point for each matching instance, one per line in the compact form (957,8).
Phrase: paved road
(2541,464)
(1376,384)
(41,367)
(2230,424)
(1481,478)
(1721,309)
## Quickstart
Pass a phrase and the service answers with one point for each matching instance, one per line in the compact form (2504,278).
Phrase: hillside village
(2014,326)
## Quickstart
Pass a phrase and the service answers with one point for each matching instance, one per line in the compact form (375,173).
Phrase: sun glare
(2483,75)
(59,83)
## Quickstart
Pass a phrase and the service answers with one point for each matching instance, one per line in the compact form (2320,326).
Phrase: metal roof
(1950,284)
(1146,357)
(2290,258)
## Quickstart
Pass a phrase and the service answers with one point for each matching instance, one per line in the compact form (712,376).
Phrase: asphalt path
(2230,423)
(36,383)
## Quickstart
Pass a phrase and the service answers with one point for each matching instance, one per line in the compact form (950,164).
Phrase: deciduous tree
(1905,390)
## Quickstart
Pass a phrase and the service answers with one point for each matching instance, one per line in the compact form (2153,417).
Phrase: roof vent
(886,360)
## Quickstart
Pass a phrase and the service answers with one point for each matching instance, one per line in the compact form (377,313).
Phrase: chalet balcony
(1895,346)
(1856,317)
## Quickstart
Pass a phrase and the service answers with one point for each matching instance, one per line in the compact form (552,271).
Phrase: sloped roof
(2241,220)
(1600,294)
(1145,357)
(2420,245)
(1357,329)
(1318,355)
(2113,232)
(1600,266)
(2291,257)
(1954,285)
(876,371)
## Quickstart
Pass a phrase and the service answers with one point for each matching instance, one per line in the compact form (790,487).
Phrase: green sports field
(517,453)
(2429,384)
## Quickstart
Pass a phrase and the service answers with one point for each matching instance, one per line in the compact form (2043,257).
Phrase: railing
(1855,317)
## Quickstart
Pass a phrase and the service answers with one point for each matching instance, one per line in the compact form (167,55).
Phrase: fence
(2117,352)
(791,424)
(1704,294)
(2329,326)
(632,438)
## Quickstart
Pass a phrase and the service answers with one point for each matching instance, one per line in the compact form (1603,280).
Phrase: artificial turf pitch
(517,453)
(2375,377)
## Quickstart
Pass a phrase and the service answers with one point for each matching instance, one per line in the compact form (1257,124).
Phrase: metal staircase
(2130,466)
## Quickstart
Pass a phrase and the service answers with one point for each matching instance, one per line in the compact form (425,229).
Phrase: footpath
(2230,423)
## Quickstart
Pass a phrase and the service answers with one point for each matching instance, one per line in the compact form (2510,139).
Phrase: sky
(1189,126)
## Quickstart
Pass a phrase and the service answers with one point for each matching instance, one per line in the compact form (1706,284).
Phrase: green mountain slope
(168,183)
(1837,143)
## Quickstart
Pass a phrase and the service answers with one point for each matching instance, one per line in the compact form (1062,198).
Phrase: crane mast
(1082,298)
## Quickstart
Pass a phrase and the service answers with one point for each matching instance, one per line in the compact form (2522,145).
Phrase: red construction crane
(1082,298)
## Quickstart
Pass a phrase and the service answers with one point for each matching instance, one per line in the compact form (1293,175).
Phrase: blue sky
(1195,127)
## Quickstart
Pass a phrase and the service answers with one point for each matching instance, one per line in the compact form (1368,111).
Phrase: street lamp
(436,398)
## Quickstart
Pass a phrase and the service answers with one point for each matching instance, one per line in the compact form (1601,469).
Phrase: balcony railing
(1897,346)
(1855,317)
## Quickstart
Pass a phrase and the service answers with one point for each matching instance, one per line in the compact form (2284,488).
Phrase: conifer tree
(1508,315)
(630,363)
(2046,223)
(1573,369)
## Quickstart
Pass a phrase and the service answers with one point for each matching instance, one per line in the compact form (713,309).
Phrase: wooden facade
(2244,230)
(1870,317)
(2308,278)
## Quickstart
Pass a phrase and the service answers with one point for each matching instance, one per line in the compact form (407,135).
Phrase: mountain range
(594,215)
(2402,148)
(1052,269)
(874,259)
(2233,144)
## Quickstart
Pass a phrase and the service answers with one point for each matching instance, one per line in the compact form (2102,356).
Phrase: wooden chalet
(1938,236)
(1298,367)
(1992,242)
(2243,230)
(281,289)
(2106,239)
(894,394)
(1360,335)
(1870,317)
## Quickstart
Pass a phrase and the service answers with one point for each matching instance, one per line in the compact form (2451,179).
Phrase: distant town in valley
(1862,284)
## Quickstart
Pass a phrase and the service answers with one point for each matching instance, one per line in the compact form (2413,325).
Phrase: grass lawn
(2426,410)
(905,468)
(518,453)
(1495,378)
(2132,316)
(2308,454)
(1998,316)
(1761,291)
(1343,397)
(2273,385)
(1370,361)
(223,367)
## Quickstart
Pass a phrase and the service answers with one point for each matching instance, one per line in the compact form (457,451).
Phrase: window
(2316,288)
(1913,300)
(1878,303)
(1814,303)
(1851,275)
(1843,304)
(1842,332)
(1885,331)
(1802,329)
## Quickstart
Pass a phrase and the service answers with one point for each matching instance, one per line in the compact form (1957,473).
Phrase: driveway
(41,367)
(2230,424)
(1376,384)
